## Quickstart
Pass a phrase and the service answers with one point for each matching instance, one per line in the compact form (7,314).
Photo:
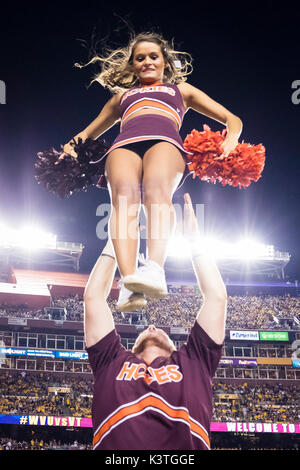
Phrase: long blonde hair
(117,65)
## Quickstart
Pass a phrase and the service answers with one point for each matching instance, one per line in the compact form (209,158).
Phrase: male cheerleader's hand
(191,229)
(190,222)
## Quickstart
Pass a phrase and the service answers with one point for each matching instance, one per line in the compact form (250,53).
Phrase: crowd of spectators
(27,394)
(244,311)
(230,443)
(7,443)
(267,403)
(20,311)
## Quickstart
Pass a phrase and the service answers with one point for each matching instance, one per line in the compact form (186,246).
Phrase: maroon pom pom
(71,174)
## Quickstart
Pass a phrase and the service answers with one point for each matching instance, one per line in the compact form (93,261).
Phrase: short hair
(136,349)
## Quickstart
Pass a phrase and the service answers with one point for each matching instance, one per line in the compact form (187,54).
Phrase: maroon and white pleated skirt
(150,127)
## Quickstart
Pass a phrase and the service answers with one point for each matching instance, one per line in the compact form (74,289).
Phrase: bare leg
(163,167)
(123,171)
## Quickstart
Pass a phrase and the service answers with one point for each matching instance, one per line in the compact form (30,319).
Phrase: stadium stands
(45,375)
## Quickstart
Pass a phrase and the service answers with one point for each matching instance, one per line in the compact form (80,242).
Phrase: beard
(153,341)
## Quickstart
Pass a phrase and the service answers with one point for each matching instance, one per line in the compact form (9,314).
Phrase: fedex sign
(187,289)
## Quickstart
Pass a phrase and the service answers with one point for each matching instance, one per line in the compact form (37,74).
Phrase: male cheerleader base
(154,397)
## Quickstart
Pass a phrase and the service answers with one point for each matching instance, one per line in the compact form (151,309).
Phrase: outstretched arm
(212,314)
(107,117)
(200,102)
(98,319)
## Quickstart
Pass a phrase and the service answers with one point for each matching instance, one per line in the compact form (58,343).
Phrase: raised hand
(191,230)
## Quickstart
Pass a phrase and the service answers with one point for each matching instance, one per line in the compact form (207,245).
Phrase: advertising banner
(36,420)
(13,351)
(273,336)
(244,335)
(71,421)
(17,321)
(283,428)
(238,362)
(186,289)
(178,330)
(71,355)
(50,353)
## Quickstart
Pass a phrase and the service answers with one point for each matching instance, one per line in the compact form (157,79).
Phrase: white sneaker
(148,279)
(129,301)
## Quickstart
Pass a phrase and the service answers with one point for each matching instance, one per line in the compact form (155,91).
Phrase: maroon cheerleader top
(164,97)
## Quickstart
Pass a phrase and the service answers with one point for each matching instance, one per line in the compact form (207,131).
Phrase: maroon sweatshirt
(165,405)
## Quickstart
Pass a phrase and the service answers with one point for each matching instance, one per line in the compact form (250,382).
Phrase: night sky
(246,57)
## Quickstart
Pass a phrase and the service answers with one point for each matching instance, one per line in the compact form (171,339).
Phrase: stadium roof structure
(30,246)
(36,288)
(57,254)
(273,265)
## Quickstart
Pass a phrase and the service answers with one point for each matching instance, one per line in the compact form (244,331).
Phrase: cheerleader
(147,161)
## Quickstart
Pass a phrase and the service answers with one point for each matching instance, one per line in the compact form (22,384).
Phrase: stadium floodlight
(250,249)
(28,238)
(178,246)
(33,238)
(244,249)
(5,234)
(31,244)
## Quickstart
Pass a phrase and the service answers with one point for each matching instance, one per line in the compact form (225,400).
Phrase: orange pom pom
(242,166)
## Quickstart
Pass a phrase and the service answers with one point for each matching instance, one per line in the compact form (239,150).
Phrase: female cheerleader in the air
(147,161)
